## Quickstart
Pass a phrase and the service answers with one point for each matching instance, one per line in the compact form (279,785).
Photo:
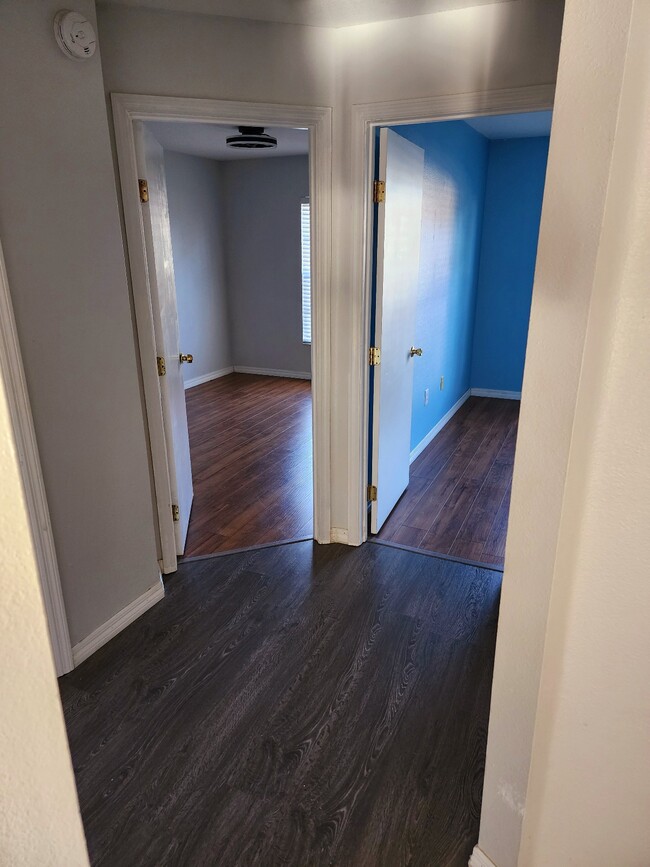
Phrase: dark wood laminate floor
(251,449)
(458,496)
(297,705)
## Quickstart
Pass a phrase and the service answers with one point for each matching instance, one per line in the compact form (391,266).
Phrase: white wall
(197,215)
(217,58)
(466,50)
(589,792)
(60,229)
(263,254)
(584,127)
(39,814)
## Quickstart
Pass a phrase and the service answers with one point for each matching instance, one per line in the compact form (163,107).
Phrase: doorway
(239,494)
(239,217)
(445,394)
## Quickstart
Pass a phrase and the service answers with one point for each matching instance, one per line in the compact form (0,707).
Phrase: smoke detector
(75,35)
(251,138)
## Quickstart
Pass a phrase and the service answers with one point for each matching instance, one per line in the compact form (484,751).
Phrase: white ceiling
(524,125)
(319,13)
(209,140)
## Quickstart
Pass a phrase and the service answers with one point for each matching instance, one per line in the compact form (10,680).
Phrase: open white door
(158,242)
(401,166)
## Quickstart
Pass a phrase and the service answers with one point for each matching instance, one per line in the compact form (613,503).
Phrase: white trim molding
(435,430)
(340,535)
(13,374)
(208,377)
(103,634)
(267,371)
(495,392)
(128,109)
(365,119)
(478,858)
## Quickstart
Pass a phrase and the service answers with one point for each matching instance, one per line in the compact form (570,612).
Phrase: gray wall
(236,243)
(263,261)
(196,210)
(60,231)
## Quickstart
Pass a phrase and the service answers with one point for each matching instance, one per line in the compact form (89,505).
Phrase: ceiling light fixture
(251,138)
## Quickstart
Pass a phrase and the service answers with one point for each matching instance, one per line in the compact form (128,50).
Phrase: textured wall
(588,796)
(585,117)
(39,814)
(513,207)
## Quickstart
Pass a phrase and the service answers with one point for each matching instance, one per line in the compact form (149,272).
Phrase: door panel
(164,311)
(401,165)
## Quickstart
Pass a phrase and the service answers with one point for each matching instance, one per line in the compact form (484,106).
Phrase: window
(305,260)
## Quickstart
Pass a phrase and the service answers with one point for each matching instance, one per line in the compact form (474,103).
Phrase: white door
(401,166)
(158,242)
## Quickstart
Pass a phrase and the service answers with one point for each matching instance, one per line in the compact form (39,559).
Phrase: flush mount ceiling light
(251,138)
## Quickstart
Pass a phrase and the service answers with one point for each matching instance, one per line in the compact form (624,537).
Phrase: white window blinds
(305,248)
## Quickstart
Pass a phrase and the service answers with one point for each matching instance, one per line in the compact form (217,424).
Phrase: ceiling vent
(251,138)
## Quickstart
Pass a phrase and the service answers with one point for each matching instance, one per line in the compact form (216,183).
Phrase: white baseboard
(266,371)
(480,859)
(207,377)
(87,646)
(339,534)
(493,392)
(421,446)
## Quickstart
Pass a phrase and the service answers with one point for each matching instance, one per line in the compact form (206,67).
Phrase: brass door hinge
(379,192)
(374,356)
(176,512)
(372,493)
(143,187)
(160,364)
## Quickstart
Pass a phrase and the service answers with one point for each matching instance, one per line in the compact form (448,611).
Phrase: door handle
(188,358)
(413,351)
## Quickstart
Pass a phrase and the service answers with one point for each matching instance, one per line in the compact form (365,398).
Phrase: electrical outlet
(442,383)
(426,396)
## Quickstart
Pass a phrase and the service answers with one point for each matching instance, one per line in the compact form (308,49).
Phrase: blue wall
(513,203)
(455,166)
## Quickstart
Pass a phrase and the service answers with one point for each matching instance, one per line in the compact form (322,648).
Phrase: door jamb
(128,108)
(365,118)
(13,376)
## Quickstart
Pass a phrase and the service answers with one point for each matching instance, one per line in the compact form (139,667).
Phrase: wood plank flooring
(251,450)
(458,497)
(298,705)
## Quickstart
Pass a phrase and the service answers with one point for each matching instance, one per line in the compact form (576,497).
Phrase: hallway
(251,450)
(295,705)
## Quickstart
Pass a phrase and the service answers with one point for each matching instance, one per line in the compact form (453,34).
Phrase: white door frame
(365,118)
(13,376)
(128,108)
